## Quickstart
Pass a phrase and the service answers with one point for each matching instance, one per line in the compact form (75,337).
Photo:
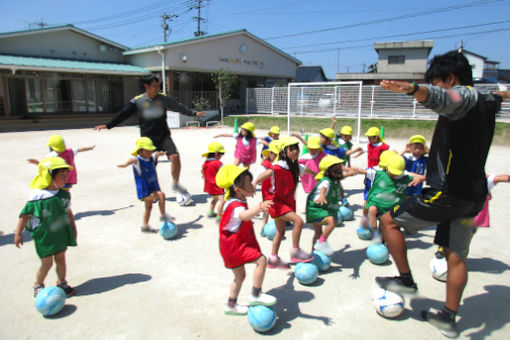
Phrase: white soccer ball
(386,303)
(439,268)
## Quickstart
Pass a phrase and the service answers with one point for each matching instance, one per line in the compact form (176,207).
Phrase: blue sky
(338,35)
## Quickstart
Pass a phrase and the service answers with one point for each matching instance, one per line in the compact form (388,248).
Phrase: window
(396,59)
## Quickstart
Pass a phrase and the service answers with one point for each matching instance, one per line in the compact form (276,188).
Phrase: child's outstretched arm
(355,153)
(86,148)
(307,170)
(128,163)
(333,122)
(33,161)
(263,141)
(501,178)
(249,214)
(322,197)
(298,136)
(159,153)
(417,179)
(22,222)
(226,134)
(262,176)
(350,171)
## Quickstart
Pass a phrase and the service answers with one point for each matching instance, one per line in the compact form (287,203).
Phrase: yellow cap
(314,142)
(328,133)
(396,165)
(373,131)
(286,141)
(275,130)
(248,126)
(417,139)
(143,143)
(43,178)
(326,163)
(384,157)
(226,176)
(213,148)
(56,142)
(346,130)
(274,147)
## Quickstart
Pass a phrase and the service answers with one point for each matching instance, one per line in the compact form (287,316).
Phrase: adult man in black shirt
(151,107)
(455,174)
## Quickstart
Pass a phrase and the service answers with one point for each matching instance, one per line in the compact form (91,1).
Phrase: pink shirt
(307,180)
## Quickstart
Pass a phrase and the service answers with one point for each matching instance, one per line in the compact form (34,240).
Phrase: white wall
(65,44)
(476,65)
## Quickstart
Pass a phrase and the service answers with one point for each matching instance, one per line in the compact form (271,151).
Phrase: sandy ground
(132,285)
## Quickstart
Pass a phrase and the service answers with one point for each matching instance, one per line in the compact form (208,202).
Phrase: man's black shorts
(165,144)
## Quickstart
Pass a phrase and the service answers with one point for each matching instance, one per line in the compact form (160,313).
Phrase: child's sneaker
(236,310)
(184,199)
(66,288)
(166,218)
(278,263)
(323,247)
(211,213)
(396,285)
(298,255)
(376,238)
(441,321)
(262,299)
(37,288)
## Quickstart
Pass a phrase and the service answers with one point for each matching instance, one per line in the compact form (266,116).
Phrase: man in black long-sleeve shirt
(151,107)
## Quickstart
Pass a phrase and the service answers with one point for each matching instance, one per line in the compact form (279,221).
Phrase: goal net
(342,98)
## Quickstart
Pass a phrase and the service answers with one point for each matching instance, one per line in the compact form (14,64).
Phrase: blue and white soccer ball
(386,303)
(439,268)
(269,230)
(322,261)
(50,300)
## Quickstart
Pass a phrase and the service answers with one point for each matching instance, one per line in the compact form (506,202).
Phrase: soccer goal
(340,98)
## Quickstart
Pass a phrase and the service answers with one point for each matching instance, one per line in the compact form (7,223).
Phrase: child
(311,160)
(343,138)
(286,173)
(58,149)
(272,135)
(416,161)
(238,245)
(376,145)
(388,189)
(146,180)
(267,185)
(327,137)
(322,202)
(48,217)
(246,144)
(209,170)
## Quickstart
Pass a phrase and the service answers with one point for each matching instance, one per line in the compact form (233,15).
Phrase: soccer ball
(261,318)
(439,268)
(306,273)
(50,301)
(386,303)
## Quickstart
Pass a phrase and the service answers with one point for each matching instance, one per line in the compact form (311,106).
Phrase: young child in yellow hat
(48,217)
(146,180)
(273,134)
(246,144)
(58,149)
(210,168)
(416,160)
(238,244)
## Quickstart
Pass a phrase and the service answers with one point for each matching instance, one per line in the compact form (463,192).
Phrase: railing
(376,102)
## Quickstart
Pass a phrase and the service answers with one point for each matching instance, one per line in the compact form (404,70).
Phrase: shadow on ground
(9,238)
(105,284)
(66,311)
(99,212)
(287,308)
(182,228)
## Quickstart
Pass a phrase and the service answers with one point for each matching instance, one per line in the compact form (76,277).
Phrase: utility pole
(199,19)
(164,24)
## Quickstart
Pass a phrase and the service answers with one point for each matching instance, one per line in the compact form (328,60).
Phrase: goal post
(323,99)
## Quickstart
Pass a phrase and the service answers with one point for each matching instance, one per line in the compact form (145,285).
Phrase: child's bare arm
(86,148)
(22,222)
(33,161)
(322,197)
(350,171)
(262,176)
(406,150)
(128,163)
(356,152)
(249,214)
(298,136)
(310,171)
(501,178)
(159,153)
(224,135)
(417,179)
(358,171)
(263,141)
(333,122)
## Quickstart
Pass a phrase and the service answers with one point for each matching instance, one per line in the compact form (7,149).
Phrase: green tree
(225,81)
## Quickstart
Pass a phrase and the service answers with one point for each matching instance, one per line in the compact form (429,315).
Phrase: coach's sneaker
(236,309)
(37,288)
(396,285)
(66,288)
(177,187)
(298,255)
(277,263)
(323,247)
(442,321)
(262,299)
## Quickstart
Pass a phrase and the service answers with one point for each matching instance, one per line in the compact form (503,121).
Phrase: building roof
(309,73)
(403,44)
(15,63)
(68,27)
(160,46)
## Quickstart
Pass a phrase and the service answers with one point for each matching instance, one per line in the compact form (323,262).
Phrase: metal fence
(376,102)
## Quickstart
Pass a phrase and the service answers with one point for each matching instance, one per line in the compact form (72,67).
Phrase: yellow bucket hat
(396,165)
(384,157)
(326,163)
(417,139)
(328,133)
(248,126)
(213,148)
(346,130)
(143,143)
(275,130)
(227,175)
(56,142)
(274,147)
(286,141)
(374,131)
(43,178)
(314,142)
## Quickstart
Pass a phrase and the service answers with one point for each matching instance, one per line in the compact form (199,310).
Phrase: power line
(400,17)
